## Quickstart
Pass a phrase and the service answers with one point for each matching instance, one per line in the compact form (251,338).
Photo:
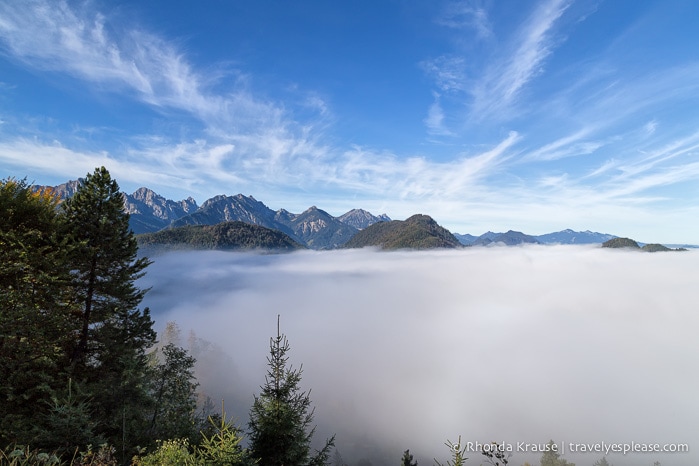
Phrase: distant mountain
(222,208)
(417,232)
(574,237)
(626,243)
(465,239)
(514,238)
(318,229)
(510,238)
(67,189)
(151,212)
(621,243)
(360,218)
(654,247)
(314,227)
(233,235)
(148,210)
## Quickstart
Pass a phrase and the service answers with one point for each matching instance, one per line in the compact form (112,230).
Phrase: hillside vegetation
(621,243)
(417,232)
(631,244)
(227,235)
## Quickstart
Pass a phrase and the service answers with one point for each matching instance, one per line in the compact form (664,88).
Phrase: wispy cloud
(435,119)
(53,36)
(568,146)
(467,14)
(508,75)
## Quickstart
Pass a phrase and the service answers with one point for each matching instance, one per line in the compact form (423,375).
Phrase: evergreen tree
(458,453)
(34,314)
(407,459)
(109,356)
(281,416)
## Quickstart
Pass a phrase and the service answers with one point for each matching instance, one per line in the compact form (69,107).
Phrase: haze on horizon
(404,350)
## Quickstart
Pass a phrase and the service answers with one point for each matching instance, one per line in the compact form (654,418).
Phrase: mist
(406,350)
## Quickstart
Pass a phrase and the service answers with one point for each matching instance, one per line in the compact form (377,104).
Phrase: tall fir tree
(109,357)
(281,417)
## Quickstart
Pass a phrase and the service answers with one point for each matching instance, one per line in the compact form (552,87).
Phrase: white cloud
(507,76)
(435,119)
(467,14)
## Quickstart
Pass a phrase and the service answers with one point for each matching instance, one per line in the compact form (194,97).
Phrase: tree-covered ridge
(631,244)
(416,232)
(233,235)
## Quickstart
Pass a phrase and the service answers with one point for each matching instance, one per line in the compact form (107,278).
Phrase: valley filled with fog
(405,350)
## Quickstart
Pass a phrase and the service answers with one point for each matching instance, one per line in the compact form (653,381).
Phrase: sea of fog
(406,350)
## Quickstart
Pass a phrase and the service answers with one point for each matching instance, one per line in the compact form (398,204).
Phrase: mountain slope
(621,243)
(417,232)
(509,238)
(233,235)
(360,218)
(574,237)
(318,229)
(150,211)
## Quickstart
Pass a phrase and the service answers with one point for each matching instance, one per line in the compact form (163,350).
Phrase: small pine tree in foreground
(281,416)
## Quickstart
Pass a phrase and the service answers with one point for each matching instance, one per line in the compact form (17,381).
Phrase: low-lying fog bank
(409,349)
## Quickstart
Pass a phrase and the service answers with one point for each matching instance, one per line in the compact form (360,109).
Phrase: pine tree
(109,355)
(407,459)
(281,416)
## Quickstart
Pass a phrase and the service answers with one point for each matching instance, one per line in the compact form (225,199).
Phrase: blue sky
(527,115)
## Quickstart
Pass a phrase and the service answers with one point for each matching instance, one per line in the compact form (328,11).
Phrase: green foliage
(620,243)
(109,358)
(103,456)
(417,232)
(602,462)
(35,308)
(228,235)
(654,247)
(69,423)
(173,388)
(222,445)
(104,262)
(407,459)
(20,455)
(219,447)
(175,452)
(458,453)
(281,416)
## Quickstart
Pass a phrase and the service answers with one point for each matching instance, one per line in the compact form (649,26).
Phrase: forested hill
(233,235)
(417,232)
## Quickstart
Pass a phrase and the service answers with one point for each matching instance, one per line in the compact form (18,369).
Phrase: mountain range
(314,228)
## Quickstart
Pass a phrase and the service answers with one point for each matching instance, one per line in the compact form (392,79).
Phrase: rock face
(150,211)
(360,218)
(417,232)
(314,227)
(320,230)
